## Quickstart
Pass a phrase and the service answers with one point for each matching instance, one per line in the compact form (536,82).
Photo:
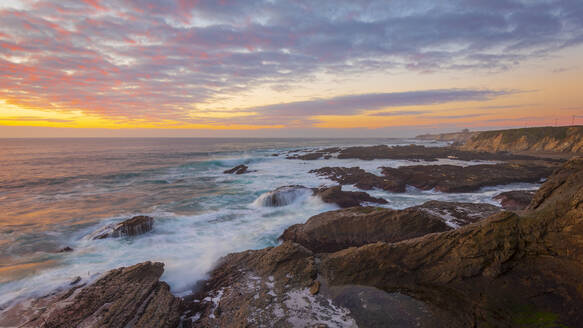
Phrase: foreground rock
(336,230)
(508,270)
(279,287)
(135,226)
(126,297)
(287,195)
(239,169)
(515,200)
(444,178)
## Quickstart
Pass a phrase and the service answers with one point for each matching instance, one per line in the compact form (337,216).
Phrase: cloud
(399,113)
(34,119)
(162,59)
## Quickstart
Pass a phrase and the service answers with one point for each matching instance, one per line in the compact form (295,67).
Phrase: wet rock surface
(336,230)
(286,195)
(515,200)
(344,199)
(132,227)
(126,297)
(444,178)
(239,169)
(503,271)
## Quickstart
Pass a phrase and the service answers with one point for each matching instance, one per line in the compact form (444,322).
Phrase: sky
(297,68)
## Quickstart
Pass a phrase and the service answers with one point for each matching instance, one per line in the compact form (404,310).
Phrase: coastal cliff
(541,139)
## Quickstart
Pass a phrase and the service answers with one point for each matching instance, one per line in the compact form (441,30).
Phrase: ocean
(54,192)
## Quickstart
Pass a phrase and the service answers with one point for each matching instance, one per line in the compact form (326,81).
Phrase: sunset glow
(301,68)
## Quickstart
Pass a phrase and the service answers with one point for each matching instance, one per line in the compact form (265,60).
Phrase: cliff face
(543,139)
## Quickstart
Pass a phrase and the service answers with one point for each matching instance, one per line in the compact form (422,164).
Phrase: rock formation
(542,139)
(287,195)
(125,297)
(336,230)
(507,270)
(132,227)
(515,200)
(344,199)
(239,169)
(444,178)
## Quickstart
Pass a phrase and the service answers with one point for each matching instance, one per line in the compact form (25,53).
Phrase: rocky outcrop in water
(567,139)
(287,195)
(515,200)
(336,230)
(410,152)
(125,297)
(345,199)
(135,226)
(444,178)
(239,169)
(508,270)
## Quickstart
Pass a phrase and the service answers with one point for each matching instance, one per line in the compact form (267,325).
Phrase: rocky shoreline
(439,264)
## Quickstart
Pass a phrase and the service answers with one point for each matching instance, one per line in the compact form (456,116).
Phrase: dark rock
(457,214)
(507,270)
(444,178)
(239,169)
(263,288)
(126,297)
(75,281)
(336,230)
(346,198)
(65,249)
(135,226)
(358,177)
(286,195)
(515,200)
(415,152)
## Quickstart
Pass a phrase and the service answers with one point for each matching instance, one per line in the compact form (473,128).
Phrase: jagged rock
(515,200)
(132,227)
(65,249)
(125,297)
(503,271)
(263,288)
(239,169)
(336,230)
(346,198)
(444,178)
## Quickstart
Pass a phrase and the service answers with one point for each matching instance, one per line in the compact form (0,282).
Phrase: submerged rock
(336,230)
(515,200)
(239,169)
(125,297)
(135,226)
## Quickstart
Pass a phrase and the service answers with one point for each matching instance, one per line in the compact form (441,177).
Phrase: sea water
(54,192)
